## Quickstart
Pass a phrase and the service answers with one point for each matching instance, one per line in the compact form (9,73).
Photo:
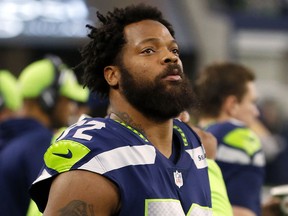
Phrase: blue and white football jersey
(242,161)
(149,184)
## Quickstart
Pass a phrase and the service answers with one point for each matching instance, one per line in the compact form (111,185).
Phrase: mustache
(172,70)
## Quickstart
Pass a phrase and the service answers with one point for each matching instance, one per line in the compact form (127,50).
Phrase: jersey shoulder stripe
(236,136)
(106,145)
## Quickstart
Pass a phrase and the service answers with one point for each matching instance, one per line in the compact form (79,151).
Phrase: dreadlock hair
(107,41)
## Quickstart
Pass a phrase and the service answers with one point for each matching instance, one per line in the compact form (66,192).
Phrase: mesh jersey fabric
(242,161)
(122,154)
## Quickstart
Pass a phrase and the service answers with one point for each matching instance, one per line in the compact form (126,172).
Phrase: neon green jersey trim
(146,140)
(182,135)
(57,134)
(62,155)
(173,207)
(245,139)
(195,208)
(220,201)
(133,130)
(33,209)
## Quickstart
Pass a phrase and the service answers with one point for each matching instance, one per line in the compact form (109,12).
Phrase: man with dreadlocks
(139,160)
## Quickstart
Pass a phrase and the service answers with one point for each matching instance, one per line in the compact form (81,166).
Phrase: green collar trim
(132,129)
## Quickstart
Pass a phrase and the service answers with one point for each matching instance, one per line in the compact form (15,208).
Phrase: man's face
(152,76)
(247,110)
(62,112)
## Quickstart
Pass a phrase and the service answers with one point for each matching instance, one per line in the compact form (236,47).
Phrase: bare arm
(82,193)
(240,211)
(270,208)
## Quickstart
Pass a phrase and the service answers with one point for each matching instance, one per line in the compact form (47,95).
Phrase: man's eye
(176,51)
(148,51)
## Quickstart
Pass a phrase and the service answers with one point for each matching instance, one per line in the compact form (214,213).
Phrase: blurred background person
(10,103)
(50,91)
(227,97)
(273,118)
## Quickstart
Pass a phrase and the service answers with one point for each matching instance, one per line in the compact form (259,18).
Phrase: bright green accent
(62,164)
(182,135)
(146,140)
(147,201)
(220,202)
(9,91)
(33,210)
(133,130)
(245,139)
(72,89)
(40,74)
(36,77)
(57,134)
(195,205)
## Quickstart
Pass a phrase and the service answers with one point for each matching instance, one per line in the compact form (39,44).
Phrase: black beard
(158,100)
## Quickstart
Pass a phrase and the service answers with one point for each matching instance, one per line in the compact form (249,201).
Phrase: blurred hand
(272,207)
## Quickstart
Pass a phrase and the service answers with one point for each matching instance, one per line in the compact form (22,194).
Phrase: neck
(127,119)
(205,121)
(159,134)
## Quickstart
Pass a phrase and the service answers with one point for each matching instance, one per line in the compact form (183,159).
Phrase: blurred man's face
(247,110)
(64,109)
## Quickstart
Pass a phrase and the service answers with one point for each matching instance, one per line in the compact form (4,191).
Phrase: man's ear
(231,105)
(112,75)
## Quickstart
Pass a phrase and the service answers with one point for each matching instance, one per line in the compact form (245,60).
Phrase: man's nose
(169,57)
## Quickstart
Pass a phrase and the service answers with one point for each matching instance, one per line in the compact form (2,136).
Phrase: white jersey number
(80,133)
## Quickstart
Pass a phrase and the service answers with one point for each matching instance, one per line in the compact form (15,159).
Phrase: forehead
(138,32)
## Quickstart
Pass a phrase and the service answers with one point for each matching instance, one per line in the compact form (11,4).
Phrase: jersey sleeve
(241,159)
(240,146)
(75,146)
(220,201)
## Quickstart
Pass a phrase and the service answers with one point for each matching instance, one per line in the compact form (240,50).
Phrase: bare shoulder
(84,193)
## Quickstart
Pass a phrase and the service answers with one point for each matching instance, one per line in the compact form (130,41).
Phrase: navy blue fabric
(138,183)
(23,143)
(243,181)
